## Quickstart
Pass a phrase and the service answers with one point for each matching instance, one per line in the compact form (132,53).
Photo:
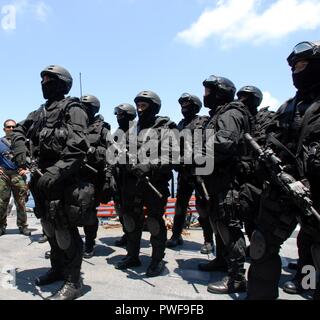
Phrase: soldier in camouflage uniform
(12,179)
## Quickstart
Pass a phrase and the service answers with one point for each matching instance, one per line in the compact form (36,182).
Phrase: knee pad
(48,228)
(224,233)
(258,245)
(63,238)
(129,223)
(315,250)
(153,226)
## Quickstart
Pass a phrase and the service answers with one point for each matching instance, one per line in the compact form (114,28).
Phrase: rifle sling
(281,146)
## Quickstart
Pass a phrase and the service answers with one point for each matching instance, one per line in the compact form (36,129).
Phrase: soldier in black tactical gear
(95,171)
(230,120)
(249,185)
(126,114)
(137,192)
(293,134)
(187,182)
(56,134)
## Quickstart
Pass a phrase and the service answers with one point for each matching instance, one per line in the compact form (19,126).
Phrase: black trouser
(64,238)
(249,196)
(275,224)
(133,205)
(67,262)
(304,244)
(226,224)
(184,193)
(118,208)
(90,232)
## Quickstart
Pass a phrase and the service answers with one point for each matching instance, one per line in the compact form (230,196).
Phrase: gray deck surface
(181,280)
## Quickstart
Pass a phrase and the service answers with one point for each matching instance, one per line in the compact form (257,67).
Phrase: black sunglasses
(8,127)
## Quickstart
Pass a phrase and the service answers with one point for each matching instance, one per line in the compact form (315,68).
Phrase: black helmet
(61,73)
(127,109)
(304,50)
(254,91)
(186,97)
(91,102)
(225,87)
(151,97)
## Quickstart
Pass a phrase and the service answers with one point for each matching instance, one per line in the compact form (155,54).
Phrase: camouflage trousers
(11,182)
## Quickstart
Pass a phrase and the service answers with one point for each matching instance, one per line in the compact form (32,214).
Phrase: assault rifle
(295,190)
(132,163)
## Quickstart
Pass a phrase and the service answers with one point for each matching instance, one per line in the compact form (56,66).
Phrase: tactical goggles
(118,112)
(186,97)
(303,50)
(212,81)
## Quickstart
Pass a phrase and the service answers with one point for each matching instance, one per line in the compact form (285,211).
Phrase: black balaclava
(91,112)
(214,100)
(53,89)
(250,102)
(309,78)
(147,117)
(124,121)
(189,111)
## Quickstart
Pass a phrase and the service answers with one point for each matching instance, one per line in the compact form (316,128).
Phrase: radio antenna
(80,76)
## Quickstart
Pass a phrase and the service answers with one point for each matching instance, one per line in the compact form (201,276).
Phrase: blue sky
(169,46)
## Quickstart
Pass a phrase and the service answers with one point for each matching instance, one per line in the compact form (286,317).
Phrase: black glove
(313,160)
(49,179)
(141,170)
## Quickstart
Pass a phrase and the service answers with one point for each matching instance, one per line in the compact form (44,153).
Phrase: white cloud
(270,101)
(235,20)
(41,11)
(38,10)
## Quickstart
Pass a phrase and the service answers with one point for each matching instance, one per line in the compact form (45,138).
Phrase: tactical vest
(248,124)
(95,131)
(262,121)
(49,132)
(161,123)
(198,122)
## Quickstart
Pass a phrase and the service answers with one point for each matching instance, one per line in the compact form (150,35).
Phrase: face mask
(306,79)
(52,89)
(251,104)
(146,117)
(123,123)
(188,112)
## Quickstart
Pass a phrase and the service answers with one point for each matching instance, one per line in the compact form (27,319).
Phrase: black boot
(229,285)
(174,242)
(207,248)
(2,231)
(50,277)
(294,286)
(155,268)
(215,265)
(69,291)
(122,242)
(128,262)
(47,254)
(25,231)
(89,250)
(43,239)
